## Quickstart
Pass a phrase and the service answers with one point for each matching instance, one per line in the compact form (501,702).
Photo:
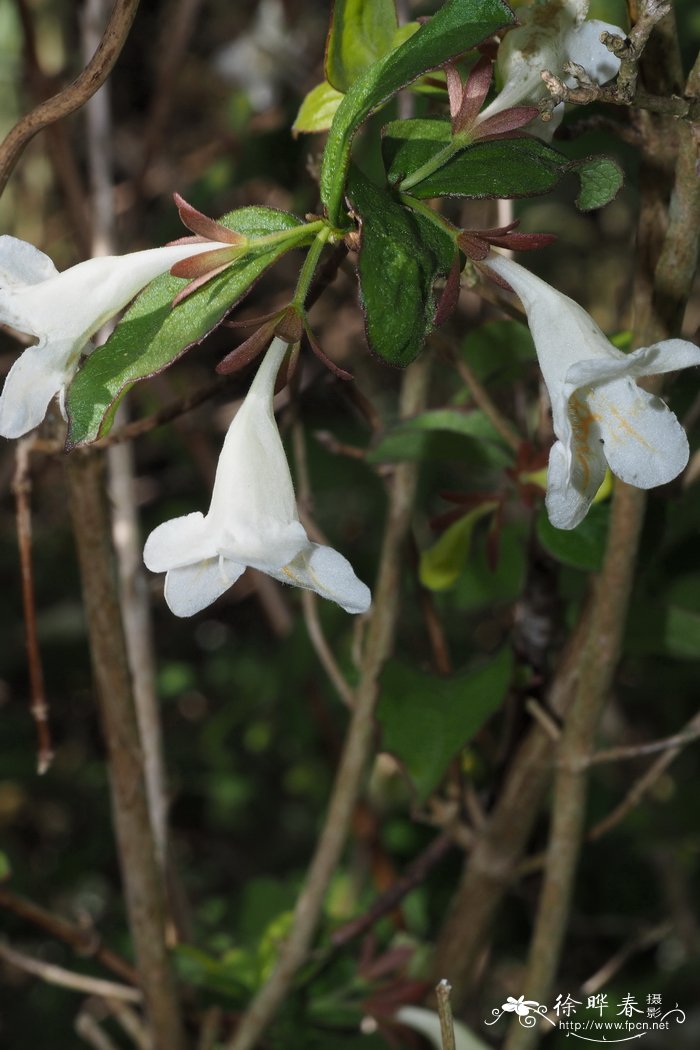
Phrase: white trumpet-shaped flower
(599,413)
(252,519)
(552,34)
(63,311)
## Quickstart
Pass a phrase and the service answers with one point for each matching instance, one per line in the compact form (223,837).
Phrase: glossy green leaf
(601,181)
(442,564)
(153,333)
(317,109)
(582,547)
(425,720)
(458,26)
(401,257)
(362,31)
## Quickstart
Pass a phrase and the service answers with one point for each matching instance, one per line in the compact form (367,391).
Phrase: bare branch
(73,96)
(84,941)
(77,982)
(38,708)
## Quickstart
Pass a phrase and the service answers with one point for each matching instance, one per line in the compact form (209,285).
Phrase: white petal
(253,488)
(327,572)
(178,542)
(267,544)
(192,588)
(21,263)
(667,356)
(30,384)
(645,444)
(571,487)
(584,47)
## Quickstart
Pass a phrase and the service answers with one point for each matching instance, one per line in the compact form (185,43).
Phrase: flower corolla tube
(63,311)
(252,519)
(553,33)
(601,417)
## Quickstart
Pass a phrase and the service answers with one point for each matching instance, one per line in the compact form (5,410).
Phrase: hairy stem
(136,845)
(353,763)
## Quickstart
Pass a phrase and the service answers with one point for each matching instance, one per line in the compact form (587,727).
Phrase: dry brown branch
(625,90)
(136,845)
(38,707)
(447,1028)
(77,982)
(621,754)
(642,786)
(84,941)
(378,645)
(73,96)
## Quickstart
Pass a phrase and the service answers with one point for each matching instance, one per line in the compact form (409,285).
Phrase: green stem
(310,263)
(434,164)
(294,234)
(430,214)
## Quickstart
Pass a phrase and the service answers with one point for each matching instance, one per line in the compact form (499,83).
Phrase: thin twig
(84,941)
(309,601)
(447,1028)
(77,982)
(619,754)
(415,875)
(612,967)
(378,645)
(131,1022)
(38,707)
(544,719)
(88,1028)
(73,96)
(323,650)
(642,786)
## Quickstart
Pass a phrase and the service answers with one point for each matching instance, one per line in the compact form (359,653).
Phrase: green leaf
(152,334)
(317,109)
(582,547)
(442,564)
(601,181)
(425,720)
(362,31)
(443,434)
(518,167)
(401,256)
(458,26)
(500,351)
(481,586)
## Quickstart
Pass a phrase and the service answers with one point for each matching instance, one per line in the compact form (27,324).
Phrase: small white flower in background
(553,33)
(252,520)
(427,1023)
(264,57)
(600,416)
(63,311)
